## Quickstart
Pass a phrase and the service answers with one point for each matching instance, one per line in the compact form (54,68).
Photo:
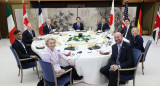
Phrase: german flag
(139,25)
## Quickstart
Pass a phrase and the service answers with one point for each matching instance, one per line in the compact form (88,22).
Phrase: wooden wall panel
(3,21)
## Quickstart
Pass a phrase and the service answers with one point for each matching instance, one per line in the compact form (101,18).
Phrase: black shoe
(78,78)
(122,82)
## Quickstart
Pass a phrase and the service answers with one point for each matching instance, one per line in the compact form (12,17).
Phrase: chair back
(137,56)
(15,55)
(146,48)
(47,70)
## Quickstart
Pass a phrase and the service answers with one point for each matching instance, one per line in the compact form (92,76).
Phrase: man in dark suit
(103,26)
(20,48)
(48,28)
(126,31)
(78,25)
(122,57)
(28,35)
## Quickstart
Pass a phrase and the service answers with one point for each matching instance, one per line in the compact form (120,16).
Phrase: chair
(144,54)
(137,54)
(53,79)
(30,65)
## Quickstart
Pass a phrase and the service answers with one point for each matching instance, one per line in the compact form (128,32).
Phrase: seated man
(78,25)
(28,36)
(103,26)
(122,57)
(48,28)
(20,48)
(126,31)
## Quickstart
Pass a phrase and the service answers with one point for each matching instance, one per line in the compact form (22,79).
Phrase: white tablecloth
(87,64)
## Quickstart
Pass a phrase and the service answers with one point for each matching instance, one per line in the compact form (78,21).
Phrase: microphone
(69,48)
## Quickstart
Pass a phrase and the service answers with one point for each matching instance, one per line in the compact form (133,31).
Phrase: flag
(25,17)
(125,14)
(40,17)
(156,27)
(111,24)
(139,25)
(11,25)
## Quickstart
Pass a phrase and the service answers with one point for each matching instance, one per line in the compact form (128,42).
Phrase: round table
(87,63)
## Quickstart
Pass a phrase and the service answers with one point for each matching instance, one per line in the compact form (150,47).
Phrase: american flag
(125,14)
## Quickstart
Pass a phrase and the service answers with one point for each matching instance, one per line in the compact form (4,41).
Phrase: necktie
(119,52)
(31,33)
(23,46)
(101,27)
(126,32)
(78,26)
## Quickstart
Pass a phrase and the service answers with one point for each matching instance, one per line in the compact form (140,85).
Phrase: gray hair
(49,38)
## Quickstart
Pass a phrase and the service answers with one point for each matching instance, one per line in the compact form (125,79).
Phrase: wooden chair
(53,79)
(144,54)
(137,54)
(29,65)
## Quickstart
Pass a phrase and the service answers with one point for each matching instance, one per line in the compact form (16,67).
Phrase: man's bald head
(118,37)
(29,26)
(48,21)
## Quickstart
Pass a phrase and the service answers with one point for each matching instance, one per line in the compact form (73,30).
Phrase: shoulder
(139,37)
(45,26)
(81,23)
(74,23)
(25,32)
(106,23)
(113,46)
(15,44)
(127,44)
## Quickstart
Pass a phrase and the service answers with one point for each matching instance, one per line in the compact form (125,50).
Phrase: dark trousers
(111,75)
(74,73)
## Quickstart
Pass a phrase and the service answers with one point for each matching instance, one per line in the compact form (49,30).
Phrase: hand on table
(34,38)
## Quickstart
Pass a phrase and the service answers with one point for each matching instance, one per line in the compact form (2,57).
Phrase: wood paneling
(3,21)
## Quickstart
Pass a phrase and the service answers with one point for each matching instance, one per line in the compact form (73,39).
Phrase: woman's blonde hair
(133,29)
(49,38)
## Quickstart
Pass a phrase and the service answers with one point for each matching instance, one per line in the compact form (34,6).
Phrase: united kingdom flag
(157,27)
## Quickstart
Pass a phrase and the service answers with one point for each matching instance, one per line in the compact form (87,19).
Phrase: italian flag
(11,25)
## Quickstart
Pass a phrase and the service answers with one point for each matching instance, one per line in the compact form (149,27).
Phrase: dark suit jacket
(129,34)
(21,52)
(76,27)
(104,28)
(27,38)
(46,30)
(126,55)
(137,43)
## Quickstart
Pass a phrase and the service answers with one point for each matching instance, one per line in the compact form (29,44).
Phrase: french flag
(40,17)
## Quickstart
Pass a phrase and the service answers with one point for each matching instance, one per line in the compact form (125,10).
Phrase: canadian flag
(112,18)
(40,17)
(25,17)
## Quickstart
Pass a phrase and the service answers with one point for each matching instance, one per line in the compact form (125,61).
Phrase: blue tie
(119,52)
